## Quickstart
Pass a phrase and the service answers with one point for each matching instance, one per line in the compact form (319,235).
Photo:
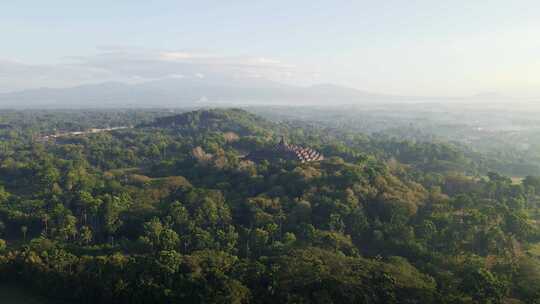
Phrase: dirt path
(79,133)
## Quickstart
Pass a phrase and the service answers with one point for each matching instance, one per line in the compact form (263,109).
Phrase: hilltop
(215,120)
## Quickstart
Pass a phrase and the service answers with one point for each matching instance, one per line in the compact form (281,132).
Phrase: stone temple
(284,150)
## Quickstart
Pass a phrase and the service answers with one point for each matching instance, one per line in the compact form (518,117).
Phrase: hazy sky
(406,47)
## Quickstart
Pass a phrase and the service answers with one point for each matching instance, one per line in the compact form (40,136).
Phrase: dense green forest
(170,210)
(497,137)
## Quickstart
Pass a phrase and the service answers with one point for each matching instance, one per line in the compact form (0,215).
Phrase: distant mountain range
(178,92)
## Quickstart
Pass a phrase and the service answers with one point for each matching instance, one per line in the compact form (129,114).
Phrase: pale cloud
(158,64)
(18,76)
(263,61)
(178,76)
(217,60)
(182,56)
(136,65)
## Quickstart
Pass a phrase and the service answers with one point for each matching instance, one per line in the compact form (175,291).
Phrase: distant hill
(215,120)
(182,92)
(208,91)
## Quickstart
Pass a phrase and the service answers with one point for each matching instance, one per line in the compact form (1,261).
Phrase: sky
(407,47)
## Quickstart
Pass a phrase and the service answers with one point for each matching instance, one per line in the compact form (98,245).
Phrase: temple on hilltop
(286,151)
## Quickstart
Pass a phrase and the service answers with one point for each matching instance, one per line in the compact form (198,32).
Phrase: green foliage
(171,212)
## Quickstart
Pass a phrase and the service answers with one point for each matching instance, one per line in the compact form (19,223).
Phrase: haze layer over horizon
(410,48)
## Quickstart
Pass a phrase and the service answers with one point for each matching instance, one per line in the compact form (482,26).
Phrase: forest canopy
(168,209)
